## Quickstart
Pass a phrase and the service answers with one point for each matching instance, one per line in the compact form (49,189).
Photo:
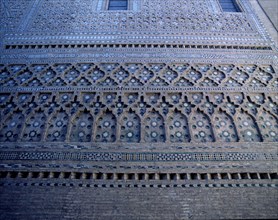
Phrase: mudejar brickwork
(137,109)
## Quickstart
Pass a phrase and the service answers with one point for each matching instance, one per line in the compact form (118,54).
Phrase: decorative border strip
(174,55)
(135,157)
(137,176)
(146,45)
(150,167)
(171,147)
(139,89)
(241,39)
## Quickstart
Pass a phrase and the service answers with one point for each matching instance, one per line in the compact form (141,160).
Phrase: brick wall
(46,202)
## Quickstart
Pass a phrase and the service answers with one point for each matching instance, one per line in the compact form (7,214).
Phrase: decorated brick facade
(166,110)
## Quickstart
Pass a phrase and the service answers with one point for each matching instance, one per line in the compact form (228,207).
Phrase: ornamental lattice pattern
(137,75)
(155,15)
(112,102)
(170,100)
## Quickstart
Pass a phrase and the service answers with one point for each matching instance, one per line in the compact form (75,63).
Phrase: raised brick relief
(117,111)
(167,94)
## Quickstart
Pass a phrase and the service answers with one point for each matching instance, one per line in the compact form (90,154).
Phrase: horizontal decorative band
(133,157)
(171,46)
(137,176)
(138,103)
(138,88)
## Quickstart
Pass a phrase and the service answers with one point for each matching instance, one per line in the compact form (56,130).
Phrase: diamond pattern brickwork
(138,75)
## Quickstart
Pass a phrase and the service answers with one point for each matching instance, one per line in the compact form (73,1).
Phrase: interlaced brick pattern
(161,109)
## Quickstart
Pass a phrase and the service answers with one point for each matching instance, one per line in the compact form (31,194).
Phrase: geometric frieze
(138,156)
(144,117)
(137,75)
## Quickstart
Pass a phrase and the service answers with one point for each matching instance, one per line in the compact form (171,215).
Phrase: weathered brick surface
(38,202)
(167,110)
